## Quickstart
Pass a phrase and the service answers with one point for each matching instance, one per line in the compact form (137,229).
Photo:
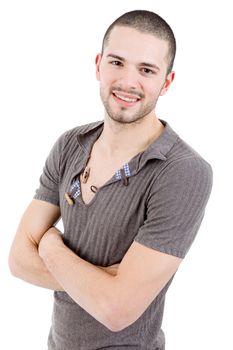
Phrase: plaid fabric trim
(75,189)
(126,170)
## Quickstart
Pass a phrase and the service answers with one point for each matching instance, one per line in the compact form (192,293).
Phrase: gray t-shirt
(157,199)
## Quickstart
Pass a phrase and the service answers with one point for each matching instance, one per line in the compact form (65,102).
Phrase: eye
(116,63)
(147,71)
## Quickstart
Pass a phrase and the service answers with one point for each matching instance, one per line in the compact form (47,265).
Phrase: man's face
(132,74)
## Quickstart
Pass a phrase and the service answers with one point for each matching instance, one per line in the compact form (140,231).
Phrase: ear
(97,65)
(169,79)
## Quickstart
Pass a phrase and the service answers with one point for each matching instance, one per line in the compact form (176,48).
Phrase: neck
(121,139)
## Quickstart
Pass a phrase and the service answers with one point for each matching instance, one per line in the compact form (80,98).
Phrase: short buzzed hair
(146,22)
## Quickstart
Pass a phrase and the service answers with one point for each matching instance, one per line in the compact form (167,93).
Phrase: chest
(101,226)
(95,175)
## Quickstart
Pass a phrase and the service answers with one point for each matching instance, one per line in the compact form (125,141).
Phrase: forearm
(26,264)
(88,285)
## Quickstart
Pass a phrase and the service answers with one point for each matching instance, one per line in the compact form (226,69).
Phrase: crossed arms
(116,296)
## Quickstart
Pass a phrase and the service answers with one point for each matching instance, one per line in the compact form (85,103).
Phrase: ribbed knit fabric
(161,206)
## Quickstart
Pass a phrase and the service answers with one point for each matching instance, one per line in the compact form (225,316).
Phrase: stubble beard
(123,116)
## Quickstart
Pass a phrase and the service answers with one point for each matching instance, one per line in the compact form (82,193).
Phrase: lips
(125,99)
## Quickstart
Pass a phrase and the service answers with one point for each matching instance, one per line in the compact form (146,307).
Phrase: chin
(125,120)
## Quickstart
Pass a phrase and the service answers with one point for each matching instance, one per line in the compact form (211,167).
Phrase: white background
(47,86)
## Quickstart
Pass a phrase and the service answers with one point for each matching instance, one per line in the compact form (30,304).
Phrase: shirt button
(68,199)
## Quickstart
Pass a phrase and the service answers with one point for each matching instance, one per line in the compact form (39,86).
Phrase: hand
(51,238)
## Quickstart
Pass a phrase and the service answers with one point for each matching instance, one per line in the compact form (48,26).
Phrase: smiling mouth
(125,99)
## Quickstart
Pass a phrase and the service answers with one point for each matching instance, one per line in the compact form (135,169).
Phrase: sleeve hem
(47,199)
(174,252)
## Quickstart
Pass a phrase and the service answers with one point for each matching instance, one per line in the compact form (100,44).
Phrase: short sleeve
(176,206)
(50,178)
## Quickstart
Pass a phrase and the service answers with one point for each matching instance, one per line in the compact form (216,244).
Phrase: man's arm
(115,301)
(24,260)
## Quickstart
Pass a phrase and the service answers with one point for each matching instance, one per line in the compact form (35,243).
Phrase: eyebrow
(150,65)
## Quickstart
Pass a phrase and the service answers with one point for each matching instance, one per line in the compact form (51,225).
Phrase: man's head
(150,23)
(134,68)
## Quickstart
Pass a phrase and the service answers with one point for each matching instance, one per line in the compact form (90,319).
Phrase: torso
(101,170)
(99,174)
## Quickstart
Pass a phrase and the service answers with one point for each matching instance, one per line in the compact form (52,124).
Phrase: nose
(128,78)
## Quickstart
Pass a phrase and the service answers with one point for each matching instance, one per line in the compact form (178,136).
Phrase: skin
(39,255)
(129,126)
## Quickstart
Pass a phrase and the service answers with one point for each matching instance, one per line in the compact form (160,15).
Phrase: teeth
(126,99)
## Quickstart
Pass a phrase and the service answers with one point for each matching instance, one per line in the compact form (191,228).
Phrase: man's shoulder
(185,159)
(183,150)
(69,139)
(82,129)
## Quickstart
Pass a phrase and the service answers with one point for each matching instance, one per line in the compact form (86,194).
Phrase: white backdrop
(47,86)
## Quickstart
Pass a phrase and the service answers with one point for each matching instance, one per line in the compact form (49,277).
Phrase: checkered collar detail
(75,189)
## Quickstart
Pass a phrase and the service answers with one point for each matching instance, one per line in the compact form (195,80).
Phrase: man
(131,195)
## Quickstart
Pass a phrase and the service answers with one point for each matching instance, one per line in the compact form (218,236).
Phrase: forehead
(136,46)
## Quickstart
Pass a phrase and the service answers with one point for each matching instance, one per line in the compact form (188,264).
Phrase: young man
(131,195)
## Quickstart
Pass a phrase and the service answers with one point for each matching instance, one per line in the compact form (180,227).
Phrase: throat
(124,141)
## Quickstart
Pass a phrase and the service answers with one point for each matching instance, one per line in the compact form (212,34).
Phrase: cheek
(107,83)
(110,75)
(104,78)
(154,89)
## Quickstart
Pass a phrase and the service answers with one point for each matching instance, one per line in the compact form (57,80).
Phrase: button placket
(74,192)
